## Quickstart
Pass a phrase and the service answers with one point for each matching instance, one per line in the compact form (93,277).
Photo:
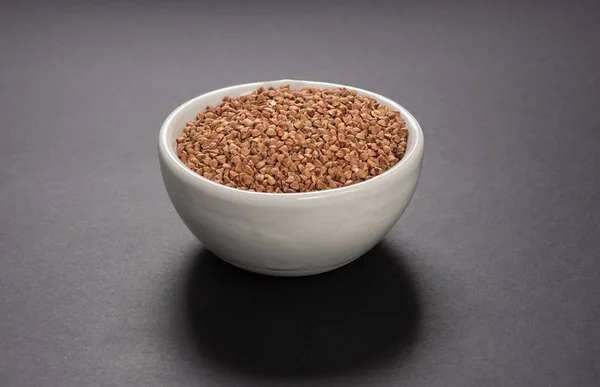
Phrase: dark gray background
(491,278)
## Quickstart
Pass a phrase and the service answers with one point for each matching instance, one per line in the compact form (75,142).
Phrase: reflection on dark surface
(359,315)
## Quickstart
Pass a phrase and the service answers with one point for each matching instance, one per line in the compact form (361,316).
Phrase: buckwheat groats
(285,141)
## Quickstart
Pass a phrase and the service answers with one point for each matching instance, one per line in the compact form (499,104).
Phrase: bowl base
(291,272)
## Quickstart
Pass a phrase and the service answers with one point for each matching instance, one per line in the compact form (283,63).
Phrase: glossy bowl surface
(289,234)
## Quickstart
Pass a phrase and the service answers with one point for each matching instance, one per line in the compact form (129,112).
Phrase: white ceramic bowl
(287,234)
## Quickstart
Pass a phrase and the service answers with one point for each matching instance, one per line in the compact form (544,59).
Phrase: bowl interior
(175,123)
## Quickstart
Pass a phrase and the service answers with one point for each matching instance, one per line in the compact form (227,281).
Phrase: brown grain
(284,140)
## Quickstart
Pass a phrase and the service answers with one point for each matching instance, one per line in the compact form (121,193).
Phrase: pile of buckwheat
(285,140)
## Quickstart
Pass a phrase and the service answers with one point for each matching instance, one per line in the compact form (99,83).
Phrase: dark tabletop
(491,277)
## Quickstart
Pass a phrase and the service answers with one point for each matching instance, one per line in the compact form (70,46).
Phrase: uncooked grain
(286,141)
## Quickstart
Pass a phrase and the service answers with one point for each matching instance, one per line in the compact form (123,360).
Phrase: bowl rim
(169,155)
